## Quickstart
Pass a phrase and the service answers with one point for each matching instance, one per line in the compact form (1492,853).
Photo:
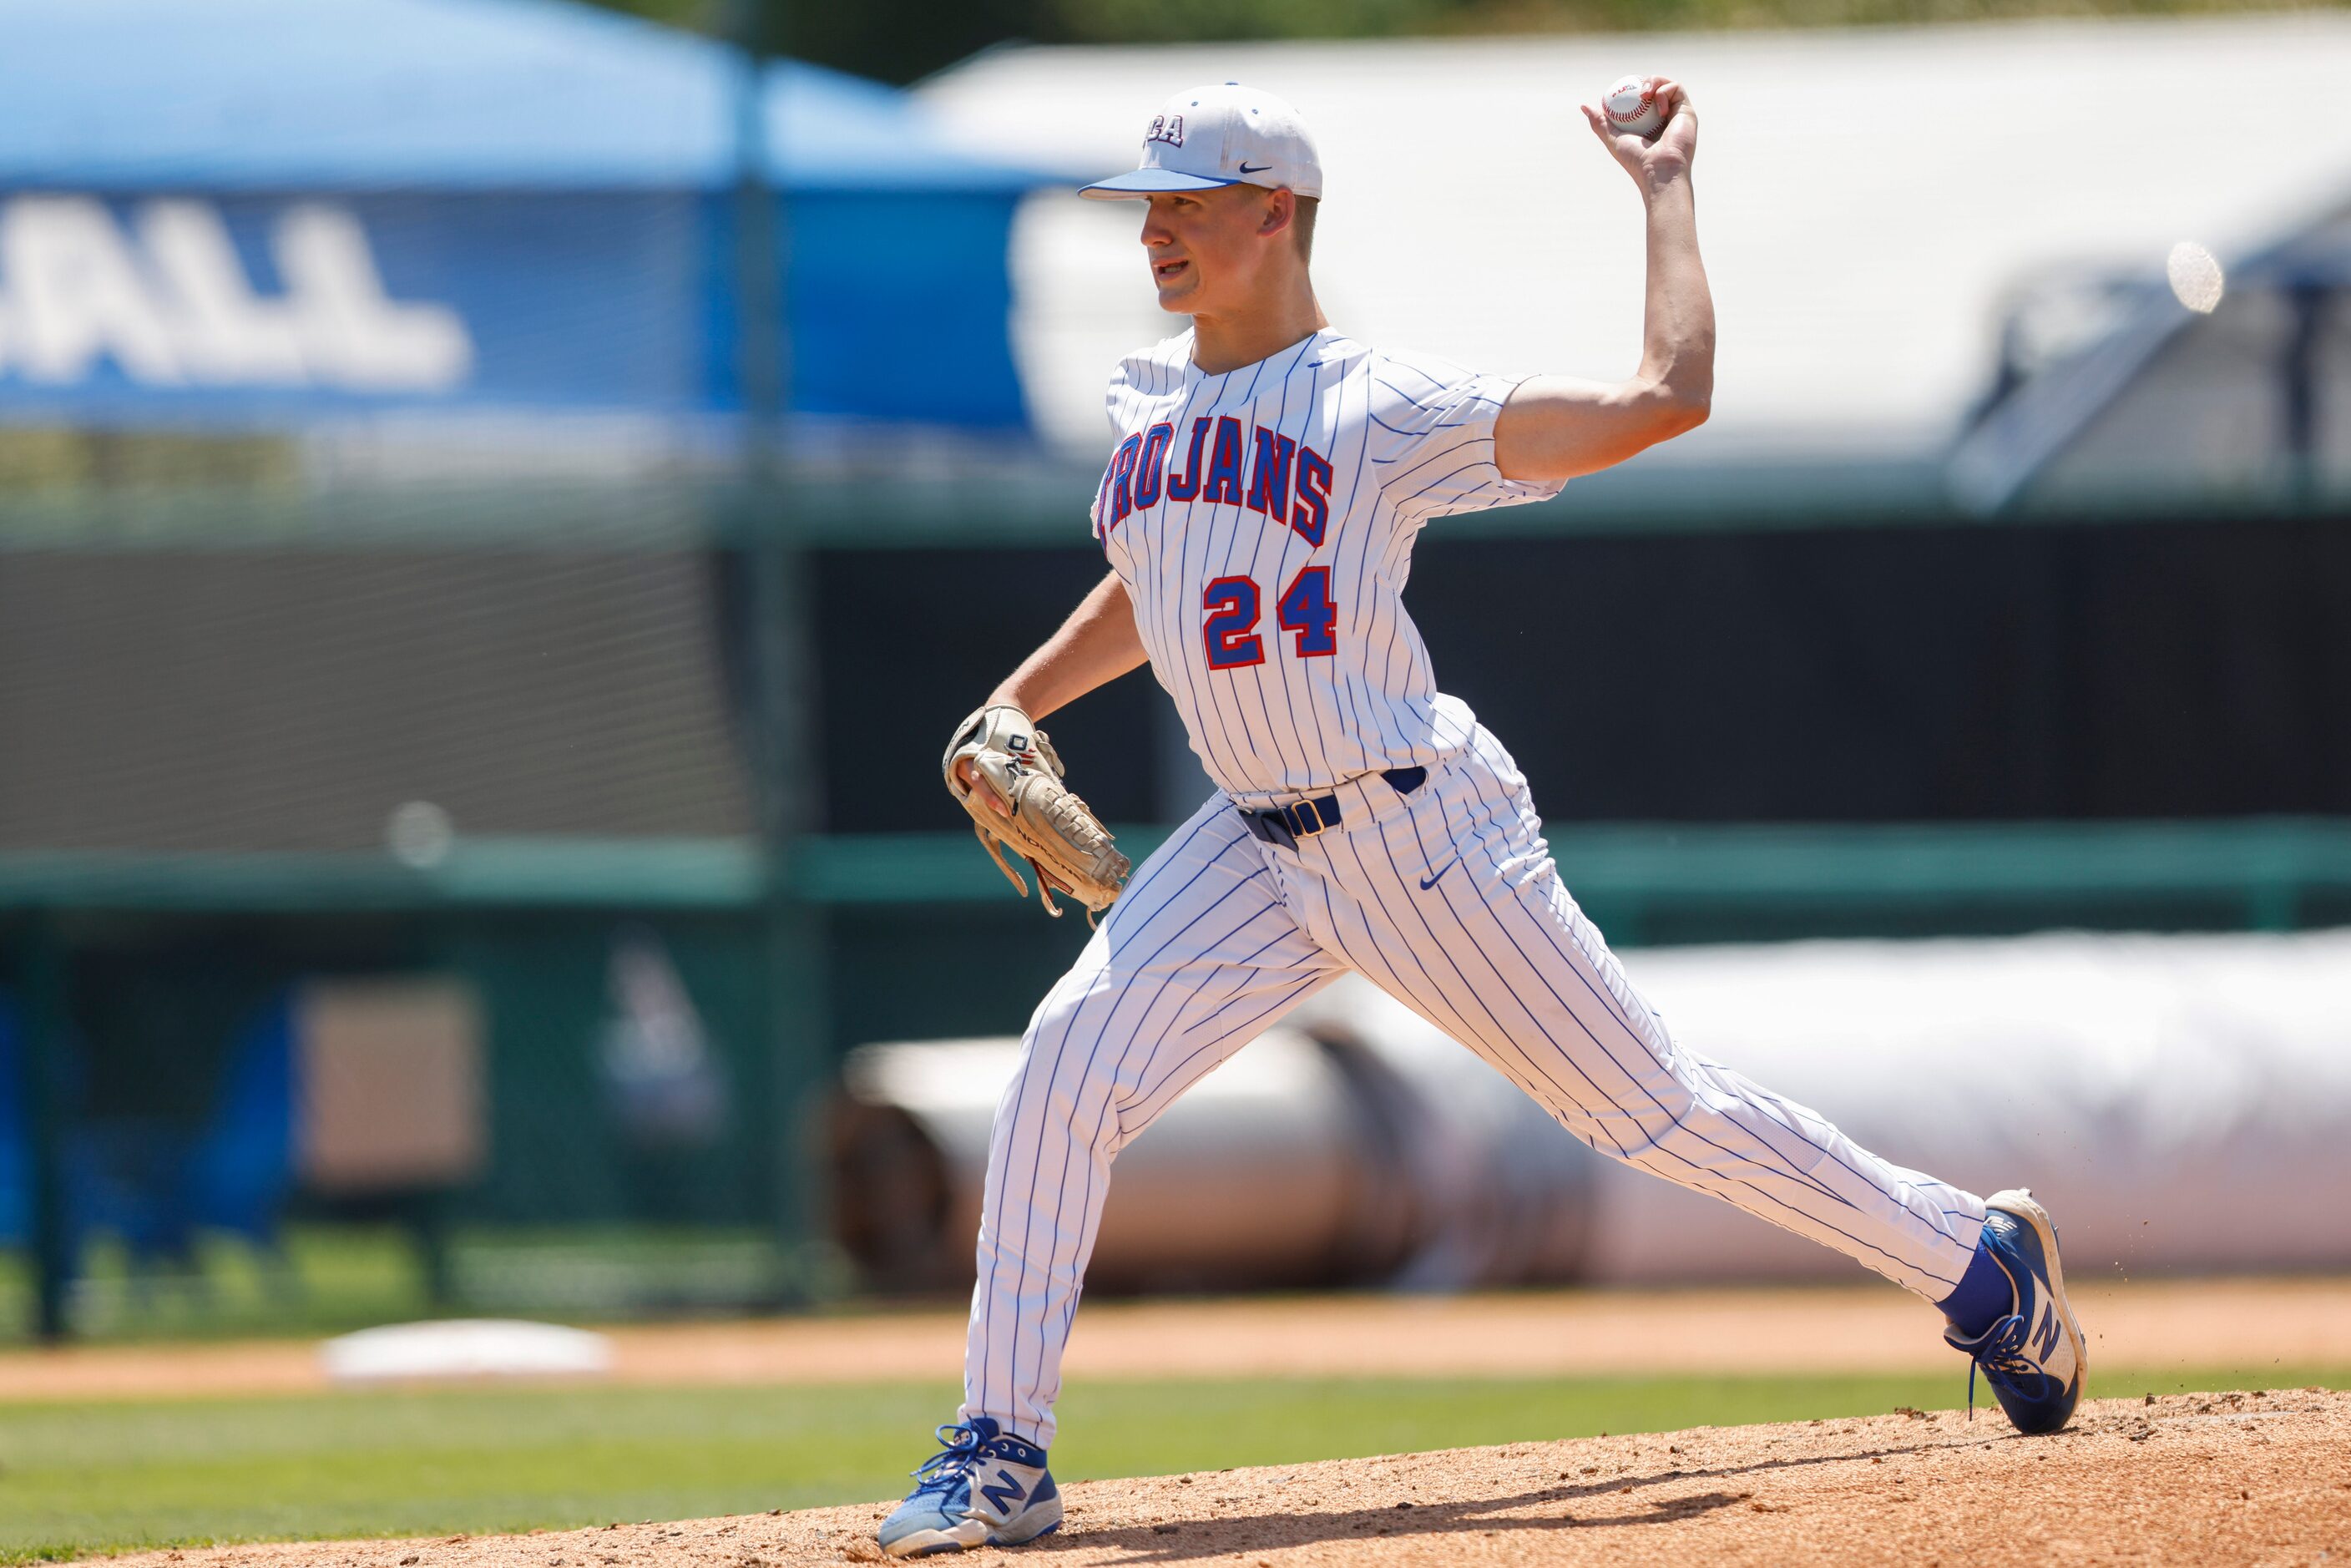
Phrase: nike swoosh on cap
(1259,169)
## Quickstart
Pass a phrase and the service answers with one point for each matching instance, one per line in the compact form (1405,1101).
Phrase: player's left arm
(1557,427)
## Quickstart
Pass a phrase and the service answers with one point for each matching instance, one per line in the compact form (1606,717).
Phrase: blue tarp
(444,94)
(271,210)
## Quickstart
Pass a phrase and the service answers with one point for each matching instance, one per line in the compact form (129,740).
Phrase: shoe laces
(960,1448)
(2001,1356)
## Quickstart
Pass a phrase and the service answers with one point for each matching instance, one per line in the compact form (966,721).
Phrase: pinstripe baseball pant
(1447,899)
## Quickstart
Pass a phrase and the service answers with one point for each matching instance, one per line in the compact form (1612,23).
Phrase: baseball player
(1267,479)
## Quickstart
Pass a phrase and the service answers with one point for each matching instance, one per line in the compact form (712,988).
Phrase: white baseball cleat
(2033,1355)
(984,1488)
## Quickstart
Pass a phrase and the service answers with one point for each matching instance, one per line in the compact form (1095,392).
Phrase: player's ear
(1281,211)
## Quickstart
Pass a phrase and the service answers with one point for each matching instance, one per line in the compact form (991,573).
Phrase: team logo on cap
(1167,128)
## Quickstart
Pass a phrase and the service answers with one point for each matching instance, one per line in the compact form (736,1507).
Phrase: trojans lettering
(1286,483)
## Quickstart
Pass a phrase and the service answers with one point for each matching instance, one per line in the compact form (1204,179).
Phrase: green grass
(330,1279)
(90,1478)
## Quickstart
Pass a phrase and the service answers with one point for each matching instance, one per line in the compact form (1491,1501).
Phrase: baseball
(2196,277)
(1631,108)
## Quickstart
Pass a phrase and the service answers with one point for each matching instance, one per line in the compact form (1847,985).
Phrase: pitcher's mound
(2259,1477)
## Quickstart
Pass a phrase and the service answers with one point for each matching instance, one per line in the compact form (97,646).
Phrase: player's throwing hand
(1654,160)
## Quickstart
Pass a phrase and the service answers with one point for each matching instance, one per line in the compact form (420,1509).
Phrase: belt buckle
(1299,812)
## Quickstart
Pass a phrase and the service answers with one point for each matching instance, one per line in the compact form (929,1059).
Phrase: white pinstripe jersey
(1262,521)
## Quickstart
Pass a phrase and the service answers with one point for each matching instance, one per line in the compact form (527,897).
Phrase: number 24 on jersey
(1229,633)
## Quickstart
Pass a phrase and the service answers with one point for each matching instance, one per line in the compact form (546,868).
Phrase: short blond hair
(1304,225)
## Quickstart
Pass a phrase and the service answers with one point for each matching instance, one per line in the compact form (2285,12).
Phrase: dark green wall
(1921,673)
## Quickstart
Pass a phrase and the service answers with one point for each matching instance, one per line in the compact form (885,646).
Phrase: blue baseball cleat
(984,1488)
(2033,1355)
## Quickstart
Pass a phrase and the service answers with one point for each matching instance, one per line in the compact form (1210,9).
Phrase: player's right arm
(1555,428)
(1094,646)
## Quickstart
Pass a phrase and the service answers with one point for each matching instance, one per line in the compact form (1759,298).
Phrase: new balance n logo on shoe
(2044,1338)
(1005,1494)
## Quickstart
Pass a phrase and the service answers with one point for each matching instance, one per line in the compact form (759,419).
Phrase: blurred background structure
(493,496)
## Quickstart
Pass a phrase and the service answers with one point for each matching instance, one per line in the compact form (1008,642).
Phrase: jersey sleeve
(1116,396)
(1122,376)
(1102,499)
(1134,380)
(1432,450)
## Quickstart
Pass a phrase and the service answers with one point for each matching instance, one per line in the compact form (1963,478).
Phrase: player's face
(1209,250)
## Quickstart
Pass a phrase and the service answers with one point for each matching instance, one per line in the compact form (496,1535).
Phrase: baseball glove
(1049,827)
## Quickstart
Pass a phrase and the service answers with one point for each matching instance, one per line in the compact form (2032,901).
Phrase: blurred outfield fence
(411,738)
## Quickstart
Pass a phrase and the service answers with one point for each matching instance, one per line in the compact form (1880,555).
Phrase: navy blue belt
(1285,825)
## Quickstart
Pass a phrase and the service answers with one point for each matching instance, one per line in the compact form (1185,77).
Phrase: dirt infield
(2247,1478)
(1865,1329)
